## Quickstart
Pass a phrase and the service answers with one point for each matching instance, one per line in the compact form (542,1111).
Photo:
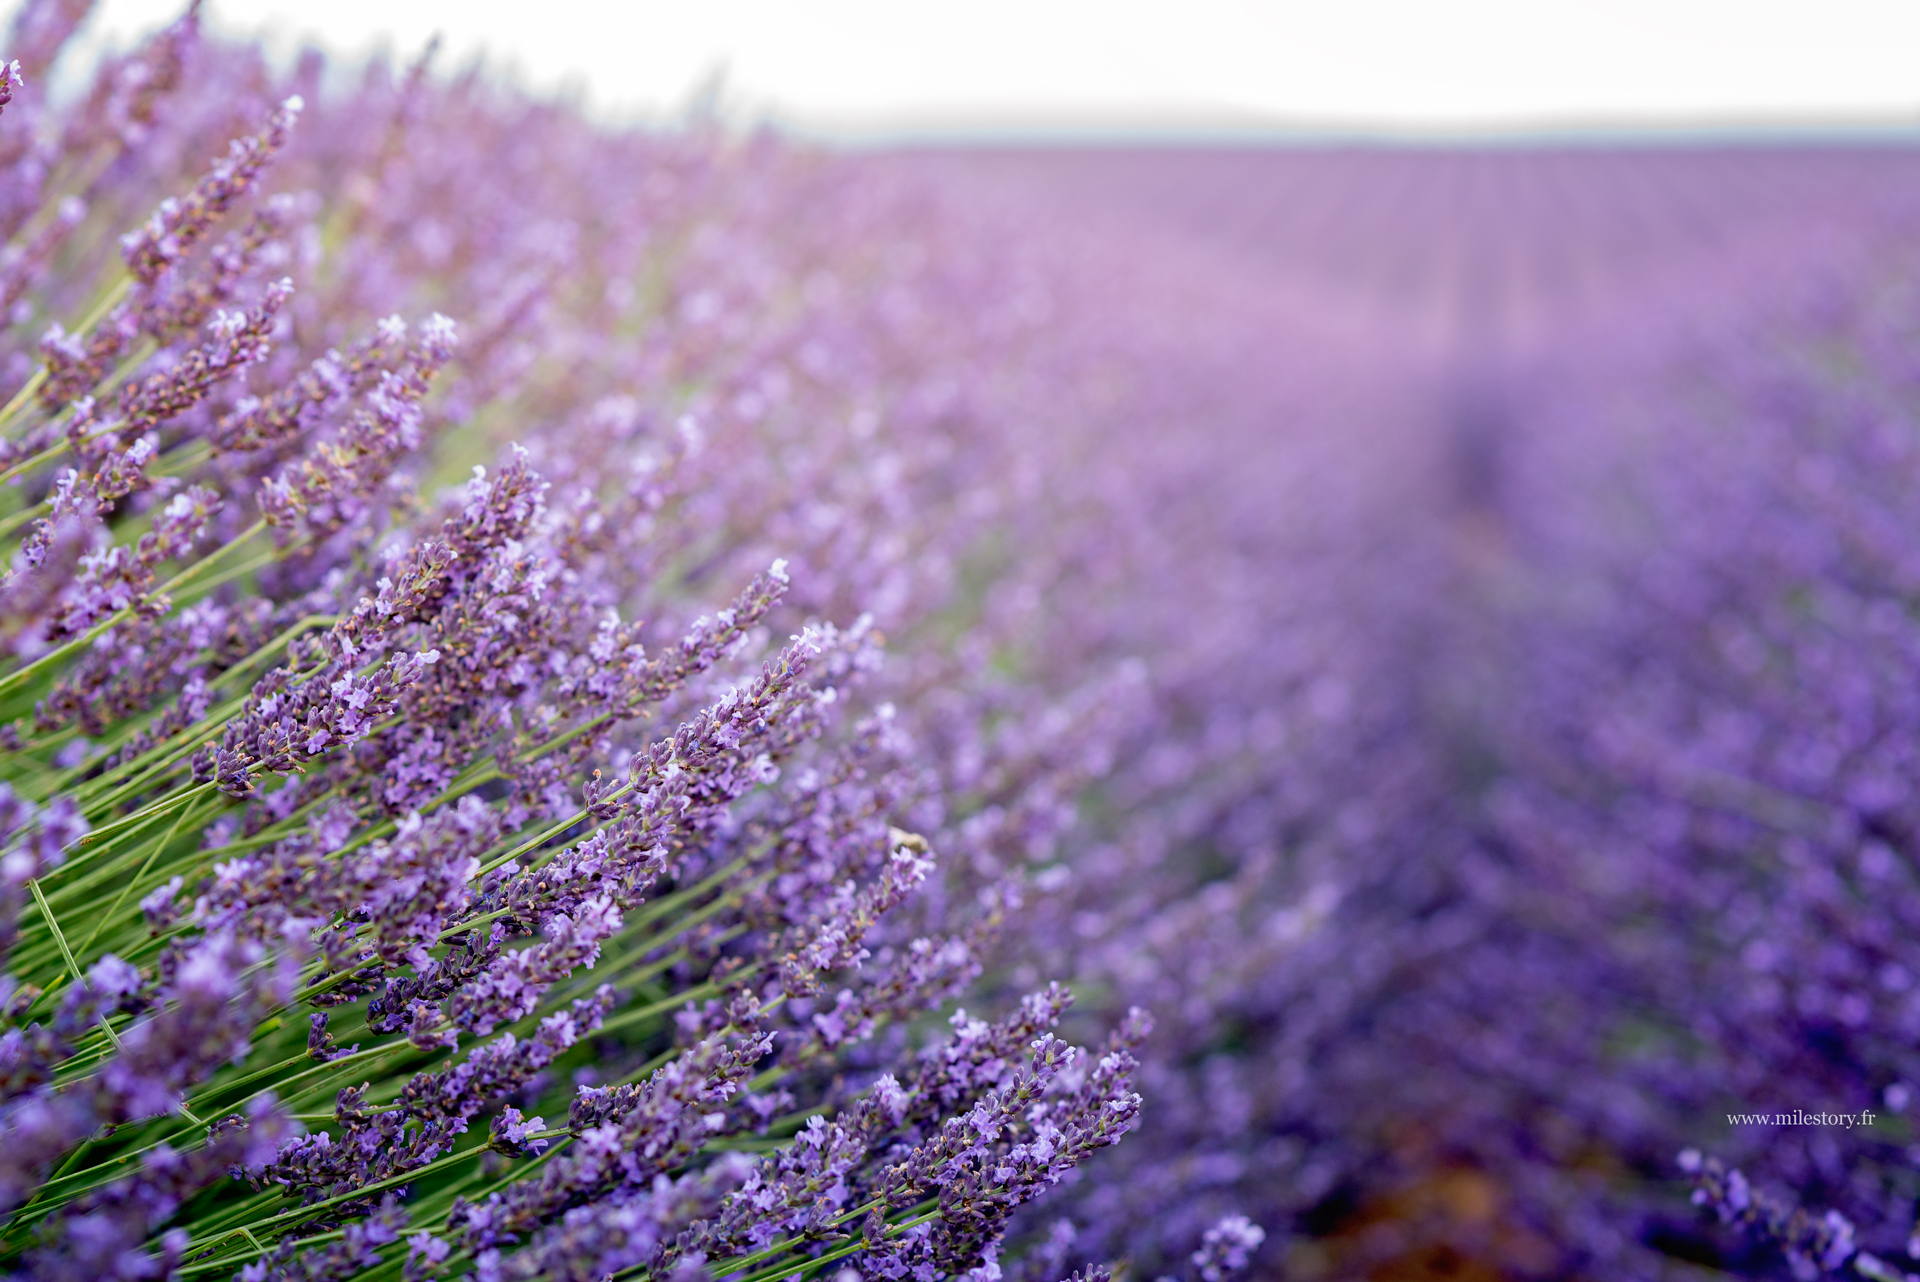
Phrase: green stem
(725,1268)
(228,1263)
(211,1093)
(534,842)
(627,1019)
(59,937)
(19,402)
(19,676)
(120,899)
(146,814)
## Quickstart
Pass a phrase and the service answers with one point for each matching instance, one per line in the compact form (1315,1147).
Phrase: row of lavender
(1604,864)
(1714,749)
(361,821)
(1642,928)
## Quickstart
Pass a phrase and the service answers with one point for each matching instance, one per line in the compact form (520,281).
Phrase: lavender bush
(528,875)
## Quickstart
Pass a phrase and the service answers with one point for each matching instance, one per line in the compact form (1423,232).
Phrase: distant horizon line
(1211,127)
(1518,135)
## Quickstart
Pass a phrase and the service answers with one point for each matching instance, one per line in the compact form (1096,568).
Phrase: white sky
(879,67)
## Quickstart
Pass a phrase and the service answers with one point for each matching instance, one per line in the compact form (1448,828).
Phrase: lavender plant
(359,821)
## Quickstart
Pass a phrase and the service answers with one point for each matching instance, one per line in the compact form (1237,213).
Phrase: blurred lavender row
(1579,841)
(593,703)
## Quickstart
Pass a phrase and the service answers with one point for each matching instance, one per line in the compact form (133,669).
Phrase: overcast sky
(878,67)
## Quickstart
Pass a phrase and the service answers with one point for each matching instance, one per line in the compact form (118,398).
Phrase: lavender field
(586,703)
